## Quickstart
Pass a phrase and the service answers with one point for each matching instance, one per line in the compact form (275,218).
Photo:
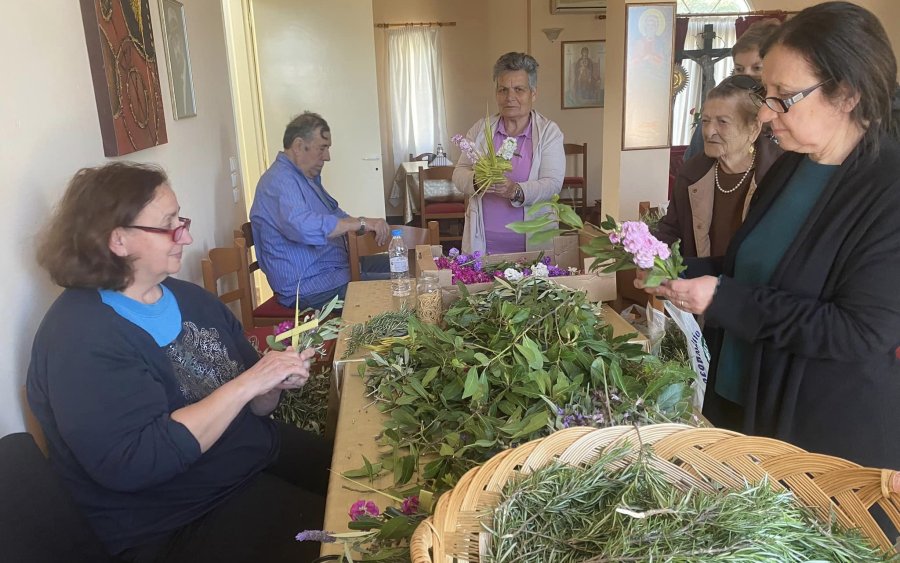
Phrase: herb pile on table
(513,364)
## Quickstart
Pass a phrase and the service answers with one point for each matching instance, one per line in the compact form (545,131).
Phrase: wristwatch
(519,196)
(362,226)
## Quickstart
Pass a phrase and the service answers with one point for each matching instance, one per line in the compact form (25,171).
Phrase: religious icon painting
(119,37)
(583,69)
(649,59)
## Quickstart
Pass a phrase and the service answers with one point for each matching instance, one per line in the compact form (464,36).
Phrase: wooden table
(359,422)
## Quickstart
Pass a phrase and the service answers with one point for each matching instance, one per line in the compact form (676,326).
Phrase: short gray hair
(304,126)
(513,61)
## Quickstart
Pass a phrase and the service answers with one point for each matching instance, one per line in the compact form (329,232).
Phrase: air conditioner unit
(578,6)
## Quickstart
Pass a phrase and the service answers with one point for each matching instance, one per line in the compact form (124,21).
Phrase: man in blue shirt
(298,228)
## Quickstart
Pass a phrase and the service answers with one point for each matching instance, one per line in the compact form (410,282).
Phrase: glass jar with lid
(428,298)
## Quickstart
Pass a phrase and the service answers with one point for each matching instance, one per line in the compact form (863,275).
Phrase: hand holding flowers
(614,246)
(490,166)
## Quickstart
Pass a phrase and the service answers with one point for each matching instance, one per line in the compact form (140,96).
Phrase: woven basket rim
(827,484)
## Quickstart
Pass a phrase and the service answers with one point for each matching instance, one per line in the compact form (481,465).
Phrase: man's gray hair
(513,61)
(304,126)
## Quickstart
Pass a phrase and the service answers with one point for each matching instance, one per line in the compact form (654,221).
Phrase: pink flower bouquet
(630,244)
(614,246)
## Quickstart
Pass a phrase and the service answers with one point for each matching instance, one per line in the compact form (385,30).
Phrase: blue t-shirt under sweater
(162,320)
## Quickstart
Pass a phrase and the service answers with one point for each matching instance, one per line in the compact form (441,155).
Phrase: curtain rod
(737,14)
(417,24)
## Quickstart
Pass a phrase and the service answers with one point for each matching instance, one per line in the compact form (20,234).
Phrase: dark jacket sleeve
(859,314)
(114,415)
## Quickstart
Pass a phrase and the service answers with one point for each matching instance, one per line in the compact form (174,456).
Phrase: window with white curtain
(690,98)
(416,91)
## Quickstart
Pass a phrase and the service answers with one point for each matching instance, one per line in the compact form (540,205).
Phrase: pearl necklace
(744,177)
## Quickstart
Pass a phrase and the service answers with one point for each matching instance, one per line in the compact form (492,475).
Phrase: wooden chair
(365,245)
(223,262)
(269,312)
(438,211)
(577,184)
(231,261)
(644,209)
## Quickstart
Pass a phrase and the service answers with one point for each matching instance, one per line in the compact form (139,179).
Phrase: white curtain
(416,91)
(689,98)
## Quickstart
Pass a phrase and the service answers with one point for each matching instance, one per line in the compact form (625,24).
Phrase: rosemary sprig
(623,509)
(389,323)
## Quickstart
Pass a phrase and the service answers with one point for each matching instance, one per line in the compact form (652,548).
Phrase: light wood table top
(359,422)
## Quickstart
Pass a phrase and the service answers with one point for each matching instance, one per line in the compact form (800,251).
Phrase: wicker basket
(694,455)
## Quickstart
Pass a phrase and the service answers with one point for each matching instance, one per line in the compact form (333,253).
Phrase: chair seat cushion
(445,207)
(573,181)
(271,309)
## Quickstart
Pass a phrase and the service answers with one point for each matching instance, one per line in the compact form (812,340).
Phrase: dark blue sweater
(103,391)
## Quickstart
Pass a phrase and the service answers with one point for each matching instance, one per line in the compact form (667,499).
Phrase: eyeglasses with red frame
(177,233)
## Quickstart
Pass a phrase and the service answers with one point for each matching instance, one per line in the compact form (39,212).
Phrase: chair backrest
(433,173)
(246,233)
(224,262)
(578,150)
(575,150)
(365,245)
(39,520)
(572,149)
(32,425)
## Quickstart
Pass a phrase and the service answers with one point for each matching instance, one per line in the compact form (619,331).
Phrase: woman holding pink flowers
(806,311)
(538,161)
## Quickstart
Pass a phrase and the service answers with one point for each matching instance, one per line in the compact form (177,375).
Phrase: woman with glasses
(155,406)
(806,309)
(713,190)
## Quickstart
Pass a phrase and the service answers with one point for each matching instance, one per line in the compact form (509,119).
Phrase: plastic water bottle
(401,285)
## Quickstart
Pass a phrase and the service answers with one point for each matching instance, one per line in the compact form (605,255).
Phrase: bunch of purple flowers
(376,532)
(363,508)
(473,269)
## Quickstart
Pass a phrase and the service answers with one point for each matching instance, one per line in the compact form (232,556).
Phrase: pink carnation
(410,505)
(362,508)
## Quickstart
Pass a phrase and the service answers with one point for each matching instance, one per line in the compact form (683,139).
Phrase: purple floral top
(499,211)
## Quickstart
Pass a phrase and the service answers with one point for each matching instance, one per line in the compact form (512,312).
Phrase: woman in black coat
(807,307)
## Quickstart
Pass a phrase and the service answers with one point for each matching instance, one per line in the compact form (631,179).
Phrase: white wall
(49,129)
(320,56)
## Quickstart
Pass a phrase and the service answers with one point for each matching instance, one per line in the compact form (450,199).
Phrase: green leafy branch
(544,226)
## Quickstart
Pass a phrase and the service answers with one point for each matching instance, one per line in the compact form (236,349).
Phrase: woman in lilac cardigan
(538,166)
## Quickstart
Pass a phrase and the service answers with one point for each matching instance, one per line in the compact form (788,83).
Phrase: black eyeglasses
(782,105)
(177,233)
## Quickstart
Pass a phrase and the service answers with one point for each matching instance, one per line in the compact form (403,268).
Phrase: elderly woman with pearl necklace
(713,190)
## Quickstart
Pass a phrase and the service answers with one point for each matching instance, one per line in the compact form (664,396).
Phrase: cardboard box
(565,254)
